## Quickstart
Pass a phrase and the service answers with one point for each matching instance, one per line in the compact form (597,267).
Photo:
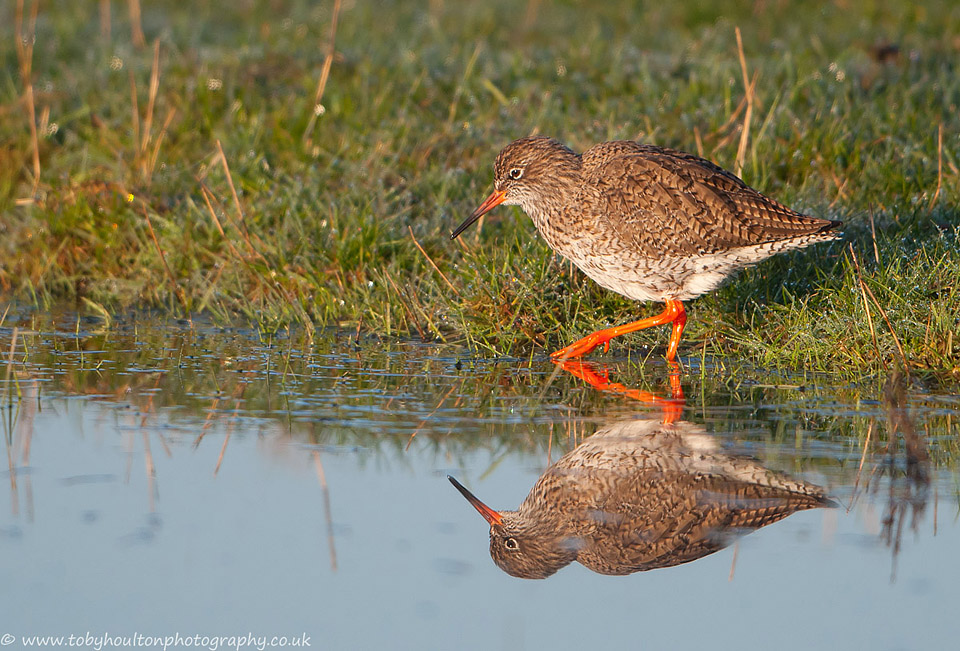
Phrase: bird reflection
(639,494)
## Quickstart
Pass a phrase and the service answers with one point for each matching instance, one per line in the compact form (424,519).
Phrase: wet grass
(197,174)
(368,396)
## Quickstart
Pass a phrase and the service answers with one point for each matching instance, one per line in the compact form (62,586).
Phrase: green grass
(419,101)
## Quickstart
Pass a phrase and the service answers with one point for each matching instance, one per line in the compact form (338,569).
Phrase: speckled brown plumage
(647,222)
(638,495)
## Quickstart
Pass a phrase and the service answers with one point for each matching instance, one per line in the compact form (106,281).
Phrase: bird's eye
(515,174)
(511,544)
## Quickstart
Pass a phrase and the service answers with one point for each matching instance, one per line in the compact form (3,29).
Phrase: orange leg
(678,323)
(672,407)
(672,313)
(675,389)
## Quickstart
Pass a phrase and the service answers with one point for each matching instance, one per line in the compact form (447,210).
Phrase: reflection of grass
(333,391)
(190,389)
(192,392)
(135,204)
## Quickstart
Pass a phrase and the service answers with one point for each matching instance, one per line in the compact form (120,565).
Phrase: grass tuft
(303,164)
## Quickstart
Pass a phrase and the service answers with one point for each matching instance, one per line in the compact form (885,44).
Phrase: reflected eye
(511,544)
(516,173)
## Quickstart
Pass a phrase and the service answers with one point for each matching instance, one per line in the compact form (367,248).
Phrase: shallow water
(170,478)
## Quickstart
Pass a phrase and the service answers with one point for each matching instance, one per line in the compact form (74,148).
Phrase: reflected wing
(682,517)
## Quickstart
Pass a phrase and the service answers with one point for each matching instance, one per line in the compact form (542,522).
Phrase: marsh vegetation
(301,164)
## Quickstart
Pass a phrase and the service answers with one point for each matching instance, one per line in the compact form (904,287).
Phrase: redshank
(640,494)
(650,223)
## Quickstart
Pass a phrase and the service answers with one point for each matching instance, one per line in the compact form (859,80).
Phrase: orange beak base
(495,199)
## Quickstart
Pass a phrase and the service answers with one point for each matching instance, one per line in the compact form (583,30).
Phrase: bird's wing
(681,517)
(667,202)
(663,527)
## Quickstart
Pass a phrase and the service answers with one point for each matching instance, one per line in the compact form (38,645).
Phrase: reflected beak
(488,514)
(495,199)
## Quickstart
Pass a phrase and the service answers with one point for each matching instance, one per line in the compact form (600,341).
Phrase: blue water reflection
(215,482)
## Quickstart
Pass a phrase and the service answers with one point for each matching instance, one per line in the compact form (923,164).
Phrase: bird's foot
(586,371)
(582,347)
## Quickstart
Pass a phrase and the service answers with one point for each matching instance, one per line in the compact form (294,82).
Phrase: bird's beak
(495,199)
(488,514)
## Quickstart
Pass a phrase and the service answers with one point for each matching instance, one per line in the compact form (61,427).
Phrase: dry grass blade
(151,164)
(406,308)
(530,15)
(207,422)
(223,451)
(452,112)
(863,458)
(733,561)
(866,305)
(231,422)
(12,472)
(748,115)
(105,20)
(328,518)
(317,109)
(558,366)
(432,263)
(13,347)
(25,43)
(213,215)
(429,416)
(425,313)
(135,111)
(151,471)
(742,104)
(163,258)
(896,339)
(869,292)
(151,103)
(136,26)
(233,188)
(936,505)
(240,224)
(698,140)
(936,195)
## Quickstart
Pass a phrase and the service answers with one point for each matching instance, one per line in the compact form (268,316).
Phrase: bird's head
(519,546)
(525,171)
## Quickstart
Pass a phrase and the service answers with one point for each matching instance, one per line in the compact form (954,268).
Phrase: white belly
(676,277)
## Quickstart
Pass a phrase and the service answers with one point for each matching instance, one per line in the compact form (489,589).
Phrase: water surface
(173,477)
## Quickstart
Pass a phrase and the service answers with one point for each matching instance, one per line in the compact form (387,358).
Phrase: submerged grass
(197,173)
